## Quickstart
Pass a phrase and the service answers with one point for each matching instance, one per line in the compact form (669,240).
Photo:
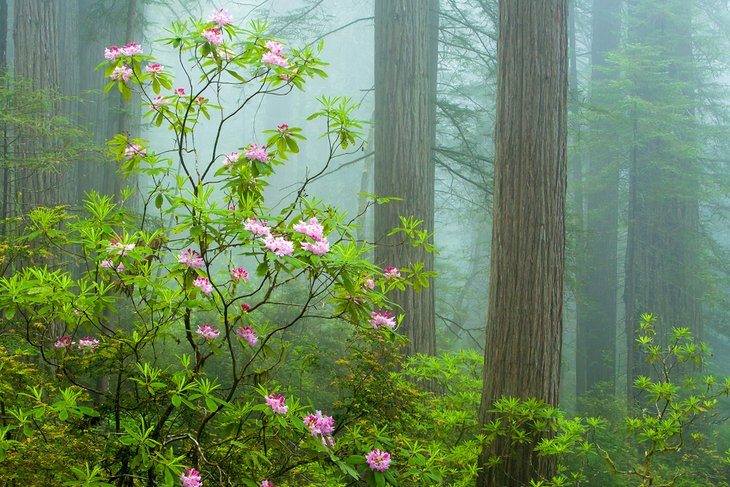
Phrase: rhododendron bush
(160,328)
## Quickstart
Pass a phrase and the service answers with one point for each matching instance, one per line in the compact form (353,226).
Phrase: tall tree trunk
(524,327)
(406,40)
(597,295)
(662,251)
(36,58)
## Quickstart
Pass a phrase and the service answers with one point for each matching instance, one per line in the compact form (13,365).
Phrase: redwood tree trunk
(36,58)
(406,40)
(524,328)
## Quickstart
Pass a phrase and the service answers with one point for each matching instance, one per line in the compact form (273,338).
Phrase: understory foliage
(145,351)
(187,332)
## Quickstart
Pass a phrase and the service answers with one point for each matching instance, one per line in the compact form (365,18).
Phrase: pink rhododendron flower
(276,402)
(88,344)
(257,227)
(279,245)
(275,59)
(120,247)
(283,127)
(254,153)
(207,332)
(134,150)
(179,92)
(159,100)
(63,342)
(214,36)
(191,478)
(201,100)
(112,53)
(312,228)
(380,317)
(131,49)
(247,333)
(239,273)
(274,47)
(120,267)
(368,283)
(155,69)
(121,73)
(378,460)
(107,264)
(204,285)
(245,308)
(231,158)
(320,247)
(191,258)
(266,483)
(391,272)
(221,17)
(322,426)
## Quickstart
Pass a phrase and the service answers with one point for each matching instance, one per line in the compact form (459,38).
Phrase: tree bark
(36,58)
(524,328)
(406,40)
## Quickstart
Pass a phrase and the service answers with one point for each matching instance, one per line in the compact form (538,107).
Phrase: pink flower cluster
(314,230)
(256,153)
(113,52)
(179,91)
(191,478)
(321,425)
(120,247)
(204,285)
(213,35)
(257,227)
(64,342)
(276,402)
(134,150)
(155,69)
(266,483)
(208,332)
(320,247)
(239,273)
(86,344)
(279,245)
(378,460)
(231,158)
(109,264)
(248,334)
(121,73)
(274,56)
(391,272)
(380,317)
(221,17)
(191,258)
(157,101)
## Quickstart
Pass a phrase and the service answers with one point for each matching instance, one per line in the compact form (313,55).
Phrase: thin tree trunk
(406,40)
